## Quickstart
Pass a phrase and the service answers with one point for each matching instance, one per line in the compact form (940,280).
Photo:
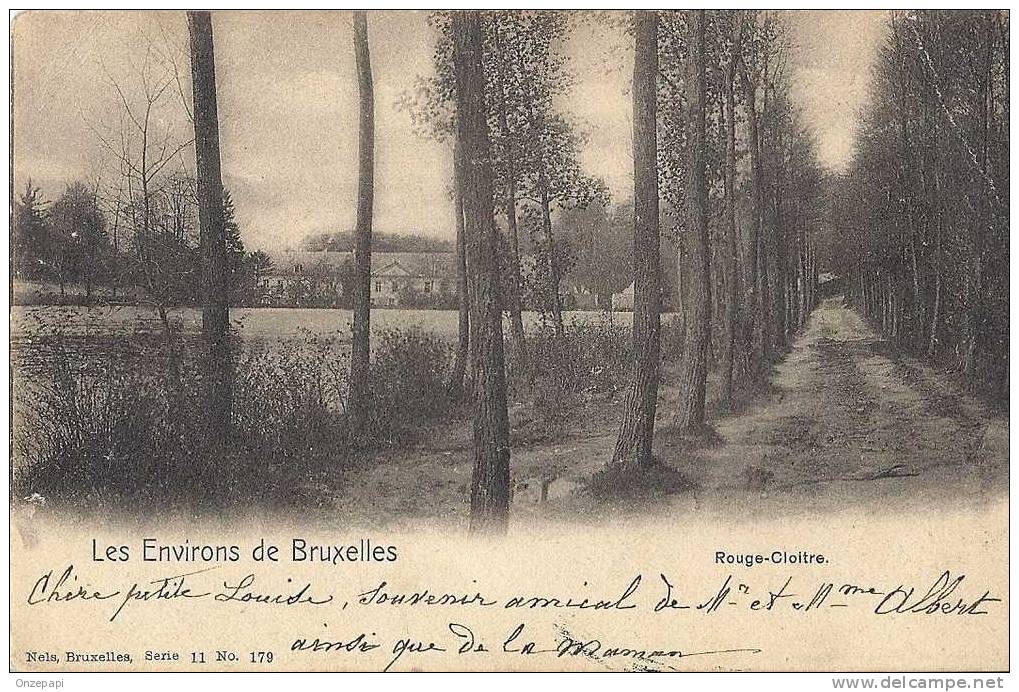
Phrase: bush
(409,382)
(588,359)
(288,406)
(97,441)
(123,438)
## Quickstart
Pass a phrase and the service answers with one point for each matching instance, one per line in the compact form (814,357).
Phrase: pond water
(131,337)
(248,323)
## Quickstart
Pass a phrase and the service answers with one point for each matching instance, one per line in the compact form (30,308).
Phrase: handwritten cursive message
(469,632)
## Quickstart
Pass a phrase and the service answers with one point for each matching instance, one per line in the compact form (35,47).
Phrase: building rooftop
(423,264)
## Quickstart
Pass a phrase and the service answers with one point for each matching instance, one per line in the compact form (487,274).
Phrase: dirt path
(844,424)
(848,423)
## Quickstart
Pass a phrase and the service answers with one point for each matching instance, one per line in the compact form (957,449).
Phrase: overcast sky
(288,106)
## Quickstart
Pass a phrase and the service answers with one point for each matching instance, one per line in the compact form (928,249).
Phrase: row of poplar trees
(723,169)
(927,197)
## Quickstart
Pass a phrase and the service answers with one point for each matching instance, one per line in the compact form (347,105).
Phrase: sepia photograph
(521,339)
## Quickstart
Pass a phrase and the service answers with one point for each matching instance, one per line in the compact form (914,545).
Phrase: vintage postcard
(511,340)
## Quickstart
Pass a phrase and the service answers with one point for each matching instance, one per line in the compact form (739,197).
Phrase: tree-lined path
(846,420)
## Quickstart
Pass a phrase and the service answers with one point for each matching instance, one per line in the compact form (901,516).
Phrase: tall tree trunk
(555,280)
(812,276)
(758,335)
(974,307)
(636,432)
(779,248)
(490,485)
(912,224)
(517,288)
(90,250)
(360,363)
(926,251)
(216,371)
(800,280)
(883,292)
(515,300)
(808,278)
(932,341)
(463,319)
(115,265)
(690,413)
(766,248)
(681,283)
(939,215)
(729,254)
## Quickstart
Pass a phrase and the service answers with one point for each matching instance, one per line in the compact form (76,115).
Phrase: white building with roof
(398,278)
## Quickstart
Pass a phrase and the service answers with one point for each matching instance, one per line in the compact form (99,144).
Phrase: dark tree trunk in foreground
(690,413)
(456,381)
(490,453)
(216,367)
(357,396)
(636,433)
